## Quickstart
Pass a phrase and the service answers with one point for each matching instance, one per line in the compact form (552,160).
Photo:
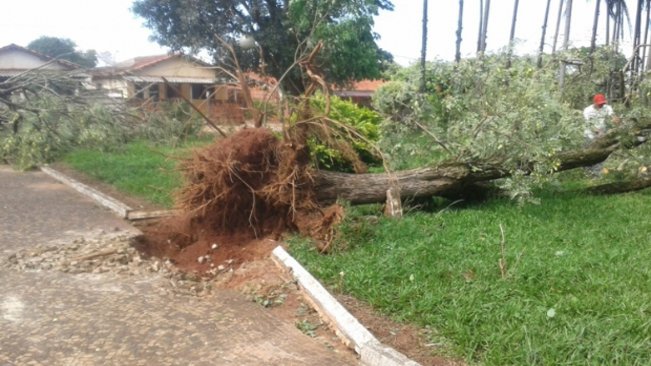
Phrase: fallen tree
(450,179)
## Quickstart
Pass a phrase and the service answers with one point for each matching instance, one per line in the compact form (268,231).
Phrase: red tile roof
(367,85)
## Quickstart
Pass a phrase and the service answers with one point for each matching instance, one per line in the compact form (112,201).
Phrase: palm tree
(423,48)
(457,55)
(618,12)
(542,38)
(512,35)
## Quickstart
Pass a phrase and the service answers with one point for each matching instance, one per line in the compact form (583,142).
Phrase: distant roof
(45,58)
(367,85)
(139,63)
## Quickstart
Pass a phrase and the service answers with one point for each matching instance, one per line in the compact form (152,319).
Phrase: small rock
(221,267)
(214,246)
(201,259)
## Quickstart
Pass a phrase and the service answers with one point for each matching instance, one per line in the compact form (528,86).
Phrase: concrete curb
(122,210)
(112,204)
(346,326)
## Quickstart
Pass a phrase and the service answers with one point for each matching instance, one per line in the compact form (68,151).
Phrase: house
(141,79)
(15,60)
(360,92)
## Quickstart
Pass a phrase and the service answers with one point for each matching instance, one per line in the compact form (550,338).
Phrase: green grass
(577,292)
(139,168)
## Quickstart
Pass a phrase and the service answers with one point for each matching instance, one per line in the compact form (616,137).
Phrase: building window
(173,91)
(200,91)
(154,92)
(141,90)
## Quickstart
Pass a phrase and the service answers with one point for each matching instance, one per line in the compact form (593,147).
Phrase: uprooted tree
(506,126)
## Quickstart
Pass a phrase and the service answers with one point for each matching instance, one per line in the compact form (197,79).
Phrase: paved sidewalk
(50,317)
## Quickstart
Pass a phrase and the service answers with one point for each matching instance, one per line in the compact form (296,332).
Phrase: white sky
(109,26)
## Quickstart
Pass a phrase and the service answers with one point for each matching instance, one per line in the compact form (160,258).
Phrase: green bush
(358,125)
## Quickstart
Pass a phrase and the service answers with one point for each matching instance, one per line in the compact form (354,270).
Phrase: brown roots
(249,182)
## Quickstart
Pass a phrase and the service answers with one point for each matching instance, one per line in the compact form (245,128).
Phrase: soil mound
(239,190)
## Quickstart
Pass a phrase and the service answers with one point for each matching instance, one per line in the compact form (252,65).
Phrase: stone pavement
(58,312)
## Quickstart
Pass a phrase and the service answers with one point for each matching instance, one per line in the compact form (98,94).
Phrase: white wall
(20,60)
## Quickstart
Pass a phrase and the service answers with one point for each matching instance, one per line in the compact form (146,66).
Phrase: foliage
(39,123)
(56,128)
(588,76)
(574,291)
(359,125)
(171,124)
(283,30)
(65,49)
(481,111)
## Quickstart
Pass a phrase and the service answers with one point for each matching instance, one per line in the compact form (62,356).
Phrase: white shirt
(596,120)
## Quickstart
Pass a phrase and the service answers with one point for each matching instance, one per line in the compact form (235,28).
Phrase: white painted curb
(109,202)
(347,327)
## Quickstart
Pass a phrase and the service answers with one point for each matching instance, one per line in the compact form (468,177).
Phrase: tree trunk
(481,25)
(423,49)
(607,25)
(484,27)
(566,41)
(512,34)
(542,38)
(457,55)
(635,64)
(621,187)
(558,25)
(452,177)
(595,24)
(643,61)
(568,23)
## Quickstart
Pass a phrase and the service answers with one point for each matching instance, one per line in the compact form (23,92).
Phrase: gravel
(113,254)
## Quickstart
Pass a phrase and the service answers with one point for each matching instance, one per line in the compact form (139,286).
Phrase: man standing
(597,115)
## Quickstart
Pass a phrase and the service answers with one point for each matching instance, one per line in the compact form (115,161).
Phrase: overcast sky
(109,26)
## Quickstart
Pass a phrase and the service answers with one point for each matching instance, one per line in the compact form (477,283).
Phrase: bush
(358,125)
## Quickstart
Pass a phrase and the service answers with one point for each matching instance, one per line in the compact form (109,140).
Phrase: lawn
(576,289)
(139,168)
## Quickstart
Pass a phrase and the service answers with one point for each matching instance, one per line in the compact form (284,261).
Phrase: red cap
(600,99)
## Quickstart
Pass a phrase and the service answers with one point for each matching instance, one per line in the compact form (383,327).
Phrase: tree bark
(512,34)
(542,37)
(558,25)
(447,178)
(621,187)
(595,24)
(423,49)
(457,54)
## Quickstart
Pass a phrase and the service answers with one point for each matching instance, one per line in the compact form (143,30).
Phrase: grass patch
(577,287)
(139,168)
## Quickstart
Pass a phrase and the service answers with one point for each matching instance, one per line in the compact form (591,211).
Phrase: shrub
(358,125)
